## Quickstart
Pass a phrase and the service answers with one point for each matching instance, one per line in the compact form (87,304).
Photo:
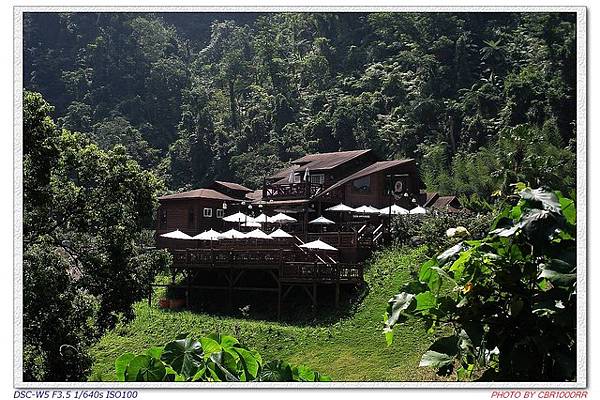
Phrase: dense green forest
(122,107)
(481,100)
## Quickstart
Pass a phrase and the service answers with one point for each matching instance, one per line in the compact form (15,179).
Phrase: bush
(215,358)
(508,299)
(430,229)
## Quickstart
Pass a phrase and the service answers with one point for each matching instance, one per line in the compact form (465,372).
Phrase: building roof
(445,201)
(198,194)
(371,169)
(234,186)
(319,161)
(254,195)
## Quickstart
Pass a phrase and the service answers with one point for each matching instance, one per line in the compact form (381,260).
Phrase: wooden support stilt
(187,289)
(337,295)
(150,297)
(314,297)
(229,289)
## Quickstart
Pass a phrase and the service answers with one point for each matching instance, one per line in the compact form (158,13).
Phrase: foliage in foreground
(214,358)
(509,299)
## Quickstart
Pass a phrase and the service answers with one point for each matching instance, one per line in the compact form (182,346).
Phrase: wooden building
(194,211)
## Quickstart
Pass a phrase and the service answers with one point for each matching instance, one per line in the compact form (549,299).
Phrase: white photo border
(582,301)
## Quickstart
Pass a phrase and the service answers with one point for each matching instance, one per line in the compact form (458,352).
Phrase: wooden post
(187,289)
(229,289)
(337,295)
(150,297)
(314,297)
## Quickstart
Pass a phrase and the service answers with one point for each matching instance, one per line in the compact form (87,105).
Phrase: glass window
(362,185)
(297,178)
(207,212)
(220,213)
(317,178)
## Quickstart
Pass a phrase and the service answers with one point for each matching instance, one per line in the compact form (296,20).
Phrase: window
(163,218)
(297,178)
(220,213)
(191,218)
(362,185)
(317,178)
(207,212)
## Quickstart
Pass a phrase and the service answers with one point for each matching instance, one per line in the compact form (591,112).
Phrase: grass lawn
(347,346)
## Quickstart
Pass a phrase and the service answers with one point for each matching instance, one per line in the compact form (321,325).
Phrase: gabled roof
(320,161)
(371,169)
(198,194)
(446,201)
(234,186)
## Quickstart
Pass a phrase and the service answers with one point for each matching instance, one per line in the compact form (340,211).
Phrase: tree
(83,265)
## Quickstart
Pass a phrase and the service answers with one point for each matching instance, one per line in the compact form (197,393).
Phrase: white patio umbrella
(176,234)
(340,208)
(251,224)
(282,218)
(280,234)
(262,219)
(366,210)
(258,234)
(237,217)
(418,210)
(232,234)
(321,221)
(318,245)
(395,210)
(207,235)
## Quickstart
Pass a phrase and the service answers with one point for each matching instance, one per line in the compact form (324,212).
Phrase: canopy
(366,210)
(207,235)
(280,234)
(232,234)
(237,217)
(282,218)
(418,210)
(340,208)
(318,245)
(176,234)
(262,218)
(251,224)
(258,234)
(396,210)
(321,221)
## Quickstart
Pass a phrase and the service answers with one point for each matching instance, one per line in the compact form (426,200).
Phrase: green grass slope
(348,346)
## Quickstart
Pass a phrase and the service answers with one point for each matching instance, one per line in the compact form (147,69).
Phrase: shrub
(430,229)
(508,299)
(215,358)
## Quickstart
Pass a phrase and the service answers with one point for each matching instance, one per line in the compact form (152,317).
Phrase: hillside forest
(120,108)
(481,100)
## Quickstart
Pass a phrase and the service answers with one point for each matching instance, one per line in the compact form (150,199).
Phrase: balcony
(291,191)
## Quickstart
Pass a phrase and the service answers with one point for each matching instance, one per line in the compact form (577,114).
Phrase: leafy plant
(509,299)
(214,358)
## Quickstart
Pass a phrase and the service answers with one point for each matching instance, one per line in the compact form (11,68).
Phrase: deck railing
(306,271)
(288,191)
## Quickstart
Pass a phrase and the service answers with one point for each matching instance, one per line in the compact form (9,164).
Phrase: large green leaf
(250,364)
(398,304)
(276,371)
(568,210)
(121,364)
(549,200)
(430,276)
(144,368)
(184,356)
(425,301)
(435,359)
(209,346)
(451,252)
